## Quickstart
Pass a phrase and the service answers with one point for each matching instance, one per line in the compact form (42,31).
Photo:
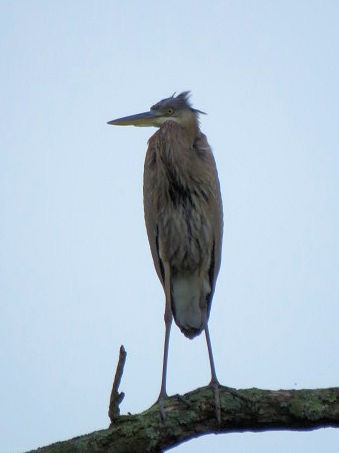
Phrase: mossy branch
(193,415)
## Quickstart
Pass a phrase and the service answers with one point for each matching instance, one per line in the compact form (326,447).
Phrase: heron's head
(176,108)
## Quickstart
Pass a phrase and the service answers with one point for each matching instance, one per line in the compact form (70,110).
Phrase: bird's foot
(236,394)
(214,384)
(184,401)
(160,401)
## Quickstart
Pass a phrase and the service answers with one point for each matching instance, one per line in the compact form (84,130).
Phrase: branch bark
(193,415)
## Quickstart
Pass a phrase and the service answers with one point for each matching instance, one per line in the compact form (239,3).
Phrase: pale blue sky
(77,279)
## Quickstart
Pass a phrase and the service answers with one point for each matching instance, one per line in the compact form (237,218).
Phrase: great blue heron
(184,220)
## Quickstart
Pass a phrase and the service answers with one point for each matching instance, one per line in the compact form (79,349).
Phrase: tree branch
(116,397)
(193,415)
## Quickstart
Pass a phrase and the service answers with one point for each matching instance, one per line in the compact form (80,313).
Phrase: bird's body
(183,215)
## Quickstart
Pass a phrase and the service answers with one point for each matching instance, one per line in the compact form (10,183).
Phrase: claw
(162,409)
(160,401)
(215,388)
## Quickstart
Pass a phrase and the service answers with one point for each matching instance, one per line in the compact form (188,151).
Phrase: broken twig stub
(116,397)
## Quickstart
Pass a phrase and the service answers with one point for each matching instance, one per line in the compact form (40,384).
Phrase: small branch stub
(116,397)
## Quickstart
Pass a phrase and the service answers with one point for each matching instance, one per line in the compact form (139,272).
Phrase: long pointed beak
(141,119)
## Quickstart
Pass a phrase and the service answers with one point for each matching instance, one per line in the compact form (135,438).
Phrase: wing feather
(150,209)
(215,208)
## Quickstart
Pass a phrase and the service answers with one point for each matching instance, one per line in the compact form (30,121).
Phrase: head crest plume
(184,101)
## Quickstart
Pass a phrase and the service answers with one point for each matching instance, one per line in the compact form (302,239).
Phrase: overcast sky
(77,278)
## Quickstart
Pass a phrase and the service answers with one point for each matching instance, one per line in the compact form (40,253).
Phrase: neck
(189,122)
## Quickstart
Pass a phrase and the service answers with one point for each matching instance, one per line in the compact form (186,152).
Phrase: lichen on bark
(192,415)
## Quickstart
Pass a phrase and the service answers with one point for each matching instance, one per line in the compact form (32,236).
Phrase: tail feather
(188,299)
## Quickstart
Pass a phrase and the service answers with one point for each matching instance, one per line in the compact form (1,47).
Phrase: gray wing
(150,208)
(214,205)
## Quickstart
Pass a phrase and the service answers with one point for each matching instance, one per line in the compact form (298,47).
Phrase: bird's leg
(214,380)
(168,322)
(163,393)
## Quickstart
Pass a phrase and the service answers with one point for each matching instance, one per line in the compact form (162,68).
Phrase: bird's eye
(170,111)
